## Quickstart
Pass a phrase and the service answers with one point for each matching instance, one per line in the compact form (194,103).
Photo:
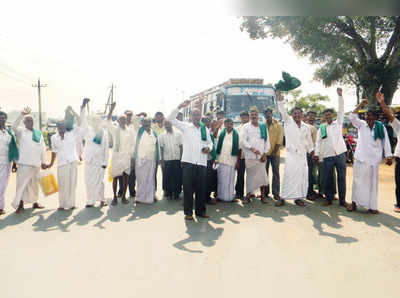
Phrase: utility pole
(110,99)
(38,86)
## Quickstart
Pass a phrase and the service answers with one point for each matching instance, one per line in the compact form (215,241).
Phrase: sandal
(352,207)
(264,200)
(280,203)
(246,200)
(396,209)
(299,203)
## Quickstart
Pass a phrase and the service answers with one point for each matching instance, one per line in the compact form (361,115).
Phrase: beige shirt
(275,135)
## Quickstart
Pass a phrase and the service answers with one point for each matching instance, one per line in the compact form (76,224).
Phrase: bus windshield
(235,104)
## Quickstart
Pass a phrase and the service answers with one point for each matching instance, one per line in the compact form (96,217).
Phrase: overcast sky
(154,57)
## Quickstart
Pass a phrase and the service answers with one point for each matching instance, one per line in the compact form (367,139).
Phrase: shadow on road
(14,219)
(201,231)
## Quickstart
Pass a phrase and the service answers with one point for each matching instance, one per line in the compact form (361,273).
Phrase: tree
(359,51)
(310,102)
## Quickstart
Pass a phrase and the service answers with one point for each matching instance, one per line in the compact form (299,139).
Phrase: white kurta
(256,173)
(5,140)
(368,156)
(95,158)
(145,168)
(121,159)
(226,170)
(31,155)
(298,143)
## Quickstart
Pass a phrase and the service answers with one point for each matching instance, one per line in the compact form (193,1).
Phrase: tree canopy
(310,102)
(359,51)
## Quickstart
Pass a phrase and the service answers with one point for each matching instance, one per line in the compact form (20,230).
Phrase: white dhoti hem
(145,180)
(256,175)
(226,182)
(120,163)
(365,185)
(27,185)
(295,177)
(67,179)
(94,181)
(4,176)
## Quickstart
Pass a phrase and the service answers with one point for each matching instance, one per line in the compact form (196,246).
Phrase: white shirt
(66,148)
(127,138)
(5,140)
(93,153)
(147,146)
(334,143)
(226,157)
(369,150)
(192,142)
(251,138)
(298,139)
(31,153)
(396,127)
(171,142)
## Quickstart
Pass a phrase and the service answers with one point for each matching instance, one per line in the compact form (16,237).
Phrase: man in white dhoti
(227,153)
(64,148)
(95,157)
(123,143)
(372,142)
(241,165)
(171,153)
(145,158)
(298,143)
(395,123)
(32,156)
(8,153)
(255,145)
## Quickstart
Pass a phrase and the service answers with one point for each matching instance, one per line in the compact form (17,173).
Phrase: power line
(19,80)
(38,86)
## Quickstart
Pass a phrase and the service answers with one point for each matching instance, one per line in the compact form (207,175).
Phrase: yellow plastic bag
(110,178)
(48,183)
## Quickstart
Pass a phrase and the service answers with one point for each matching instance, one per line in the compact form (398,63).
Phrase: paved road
(242,251)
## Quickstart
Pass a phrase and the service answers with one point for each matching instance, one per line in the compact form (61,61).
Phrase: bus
(233,97)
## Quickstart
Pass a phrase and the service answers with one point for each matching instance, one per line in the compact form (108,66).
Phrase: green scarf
(99,137)
(322,128)
(235,142)
(263,130)
(13,153)
(203,131)
(139,137)
(379,130)
(69,120)
(36,134)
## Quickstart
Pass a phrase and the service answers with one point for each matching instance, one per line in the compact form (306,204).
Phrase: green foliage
(361,51)
(309,102)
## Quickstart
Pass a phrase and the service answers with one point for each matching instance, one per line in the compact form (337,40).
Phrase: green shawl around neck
(139,137)
(13,152)
(322,129)
(36,134)
(263,130)
(379,130)
(235,142)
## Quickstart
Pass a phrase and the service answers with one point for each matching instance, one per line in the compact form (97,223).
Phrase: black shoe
(114,202)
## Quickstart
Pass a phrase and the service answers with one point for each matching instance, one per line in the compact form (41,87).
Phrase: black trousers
(239,187)
(211,180)
(172,177)
(194,182)
(339,162)
(310,165)
(397,180)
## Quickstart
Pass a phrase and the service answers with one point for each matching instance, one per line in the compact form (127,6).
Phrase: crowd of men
(207,159)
